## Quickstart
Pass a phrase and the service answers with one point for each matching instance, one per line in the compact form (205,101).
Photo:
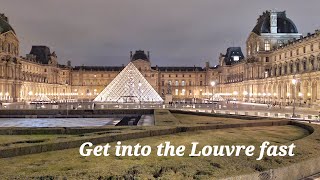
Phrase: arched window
(298,66)
(312,63)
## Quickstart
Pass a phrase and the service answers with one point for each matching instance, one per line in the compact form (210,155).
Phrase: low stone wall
(236,116)
(62,113)
(32,149)
(51,131)
(295,171)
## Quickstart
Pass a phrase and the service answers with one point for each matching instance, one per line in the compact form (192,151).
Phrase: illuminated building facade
(276,53)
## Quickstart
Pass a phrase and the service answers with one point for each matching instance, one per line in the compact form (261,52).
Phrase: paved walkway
(314,177)
(146,120)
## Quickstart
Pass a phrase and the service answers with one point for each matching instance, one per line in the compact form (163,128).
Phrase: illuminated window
(177,83)
(177,92)
(183,83)
(183,92)
(267,45)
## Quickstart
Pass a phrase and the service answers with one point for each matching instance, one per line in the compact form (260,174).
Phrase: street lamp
(212,85)
(300,97)
(245,94)
(30,94)
(294,82)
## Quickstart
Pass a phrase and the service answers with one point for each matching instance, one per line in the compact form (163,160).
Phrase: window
(190,83)
(183,92)
(162,75)
(177,92)
(190,92)
(304,66)
(176,75)
(297,51)
(311,47)
(290,53)
(280,71)
(298,66)
(189,75)
(267,45)
(177,83)
(304,49)
(200,83)
(169,75)
(183,83)
(267,59)
(170,83)
(162,83)
(285,69)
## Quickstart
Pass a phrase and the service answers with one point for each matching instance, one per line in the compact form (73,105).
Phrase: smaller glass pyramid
(129,86)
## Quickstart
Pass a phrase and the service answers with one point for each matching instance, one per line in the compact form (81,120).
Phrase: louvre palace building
(276,53)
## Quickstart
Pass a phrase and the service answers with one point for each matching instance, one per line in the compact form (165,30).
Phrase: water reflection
(57,122)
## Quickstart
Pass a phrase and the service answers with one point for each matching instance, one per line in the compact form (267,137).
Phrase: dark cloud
(179,32)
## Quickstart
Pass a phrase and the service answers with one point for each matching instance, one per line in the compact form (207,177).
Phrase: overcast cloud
(177,32)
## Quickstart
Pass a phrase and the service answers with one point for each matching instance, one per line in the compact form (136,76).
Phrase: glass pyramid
(129,86)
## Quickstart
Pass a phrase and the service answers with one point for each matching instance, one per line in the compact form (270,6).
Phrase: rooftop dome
(4,24)
(140,55)
(284,24)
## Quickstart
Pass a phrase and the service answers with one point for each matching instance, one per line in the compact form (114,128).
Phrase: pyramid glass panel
(129,86)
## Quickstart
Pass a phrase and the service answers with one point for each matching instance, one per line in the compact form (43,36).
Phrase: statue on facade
(169,88)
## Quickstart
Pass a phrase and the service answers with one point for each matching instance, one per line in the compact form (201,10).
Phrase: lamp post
(212,85)
(294,82)
(30,94)
(245,94)
(67,97)
(139,84)
(300,97)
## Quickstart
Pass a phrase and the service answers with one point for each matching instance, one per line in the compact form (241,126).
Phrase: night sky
(177,32)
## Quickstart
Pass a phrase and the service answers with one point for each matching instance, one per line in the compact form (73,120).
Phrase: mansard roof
(4,24)
(99,68)
(284,24)
(173,69)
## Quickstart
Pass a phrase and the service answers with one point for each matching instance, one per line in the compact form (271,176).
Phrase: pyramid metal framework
(129,86)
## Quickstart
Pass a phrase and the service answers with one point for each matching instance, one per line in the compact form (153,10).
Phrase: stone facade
(276,53)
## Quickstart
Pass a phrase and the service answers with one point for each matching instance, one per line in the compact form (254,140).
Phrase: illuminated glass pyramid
(129,86)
